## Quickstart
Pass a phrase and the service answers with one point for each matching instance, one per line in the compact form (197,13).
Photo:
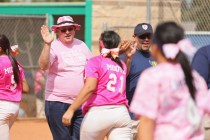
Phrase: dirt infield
(37,129)
(30,129)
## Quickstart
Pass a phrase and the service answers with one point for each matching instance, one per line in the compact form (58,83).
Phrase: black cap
(143,28)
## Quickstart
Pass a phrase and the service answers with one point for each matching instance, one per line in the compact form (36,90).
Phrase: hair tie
(114,52)
(171,50)
(14,49)
(186,47)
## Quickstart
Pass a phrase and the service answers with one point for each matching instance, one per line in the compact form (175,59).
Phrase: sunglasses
(63,30)
(144,36)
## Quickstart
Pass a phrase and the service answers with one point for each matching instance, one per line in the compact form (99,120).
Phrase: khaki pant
(112,121)
(8,114)
(134,129)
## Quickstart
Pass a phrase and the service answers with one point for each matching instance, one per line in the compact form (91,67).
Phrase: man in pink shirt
(64,58)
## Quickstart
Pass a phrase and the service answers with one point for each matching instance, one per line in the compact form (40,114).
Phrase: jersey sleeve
(145,100)
(91,68)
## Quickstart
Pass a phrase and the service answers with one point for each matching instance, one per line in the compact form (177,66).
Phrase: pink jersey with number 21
(111,82)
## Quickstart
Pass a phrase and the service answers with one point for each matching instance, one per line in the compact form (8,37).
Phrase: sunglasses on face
(63,30)
(144,36)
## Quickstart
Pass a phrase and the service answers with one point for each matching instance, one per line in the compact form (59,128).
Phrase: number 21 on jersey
(111,85)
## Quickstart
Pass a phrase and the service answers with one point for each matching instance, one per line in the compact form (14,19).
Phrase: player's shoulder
(4,59)
(96,58)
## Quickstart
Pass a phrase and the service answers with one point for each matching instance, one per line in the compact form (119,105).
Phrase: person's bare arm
(146,128)
(44,59)
(128,64)
(85,93)
(41,81)
(129,49)
(25,87)
(124,46)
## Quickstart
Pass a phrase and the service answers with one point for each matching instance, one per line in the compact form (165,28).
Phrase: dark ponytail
(5,46)
(170,32)
(187,72)
(110,40)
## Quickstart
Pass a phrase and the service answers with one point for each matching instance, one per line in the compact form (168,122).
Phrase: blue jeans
(133,116)
(54,112)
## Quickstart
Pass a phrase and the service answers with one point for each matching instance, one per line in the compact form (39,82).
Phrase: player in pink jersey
(171,98)
(104,97)
(12,83)
(65,59)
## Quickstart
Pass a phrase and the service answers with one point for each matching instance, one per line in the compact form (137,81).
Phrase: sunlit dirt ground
(30,129)
(37,129)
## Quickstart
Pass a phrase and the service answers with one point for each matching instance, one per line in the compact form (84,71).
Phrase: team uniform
(64,82)
(10,96)
(106,110)
(163,96)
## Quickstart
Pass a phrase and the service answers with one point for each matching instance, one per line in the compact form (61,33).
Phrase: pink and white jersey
(65,75)
(9,90)
(111,82)
(163,95)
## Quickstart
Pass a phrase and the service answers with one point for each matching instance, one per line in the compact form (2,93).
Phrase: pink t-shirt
(9,90)
(163,95)
(111,83)
(65,75)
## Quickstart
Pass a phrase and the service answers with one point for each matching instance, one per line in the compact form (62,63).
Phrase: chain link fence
(24,31)
(195,18)
(193,15)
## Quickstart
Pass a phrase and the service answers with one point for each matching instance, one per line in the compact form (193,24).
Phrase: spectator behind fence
(64,58)
(39,87)
(12,83)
